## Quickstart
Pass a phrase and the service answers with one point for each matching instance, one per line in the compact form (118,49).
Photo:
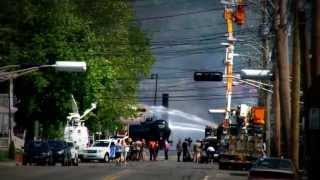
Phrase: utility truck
(75,130)
(242,142)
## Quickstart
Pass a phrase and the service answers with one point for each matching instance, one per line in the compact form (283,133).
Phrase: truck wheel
(75,161)
(64,162)
(24,161)
(221,166)
(51,162)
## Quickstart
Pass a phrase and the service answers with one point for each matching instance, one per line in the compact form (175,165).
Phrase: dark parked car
(61,152)
(273,168)
(38,152)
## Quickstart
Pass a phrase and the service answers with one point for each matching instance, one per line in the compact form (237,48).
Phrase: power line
(179,14)
(200,99)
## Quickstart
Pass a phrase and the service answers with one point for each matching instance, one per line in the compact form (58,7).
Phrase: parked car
(100,150)
(61,152)
(273,168)
(38,152)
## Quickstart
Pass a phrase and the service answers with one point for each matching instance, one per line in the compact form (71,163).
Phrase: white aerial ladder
(75,130)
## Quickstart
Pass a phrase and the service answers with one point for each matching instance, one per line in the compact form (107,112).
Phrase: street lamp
(6,73)
(257,74)
(155,76)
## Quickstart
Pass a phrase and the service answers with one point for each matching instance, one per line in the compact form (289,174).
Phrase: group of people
(119,151)
(154,147)
(197,152)
(123,150)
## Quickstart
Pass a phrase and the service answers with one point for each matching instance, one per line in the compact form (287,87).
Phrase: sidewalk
(7,163)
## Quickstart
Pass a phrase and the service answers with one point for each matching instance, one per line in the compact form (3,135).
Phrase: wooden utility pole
(264,96)
(306,77)
(295,85)
(277,112)
(305,51)
(316,39)
(284,73)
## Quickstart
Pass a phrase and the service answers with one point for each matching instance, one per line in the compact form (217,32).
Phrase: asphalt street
(162,170)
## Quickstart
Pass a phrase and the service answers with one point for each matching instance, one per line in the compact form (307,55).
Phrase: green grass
(4,155)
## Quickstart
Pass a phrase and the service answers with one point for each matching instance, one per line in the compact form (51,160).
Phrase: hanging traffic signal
(165,100)
(208,76)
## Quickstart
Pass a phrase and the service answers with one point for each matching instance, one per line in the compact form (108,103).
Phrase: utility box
(258,115)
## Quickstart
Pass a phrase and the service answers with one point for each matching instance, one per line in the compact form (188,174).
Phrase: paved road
(162,170)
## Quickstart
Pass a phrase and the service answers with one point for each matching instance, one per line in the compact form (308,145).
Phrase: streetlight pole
(155,76)
(6,74)
(10,108)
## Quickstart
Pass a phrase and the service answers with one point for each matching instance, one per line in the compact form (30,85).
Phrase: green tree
(100,32)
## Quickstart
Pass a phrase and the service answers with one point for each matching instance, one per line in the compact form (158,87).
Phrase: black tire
(51,161)
(75,161)
(24,161)
(106,158)
(222,166)
(64,162)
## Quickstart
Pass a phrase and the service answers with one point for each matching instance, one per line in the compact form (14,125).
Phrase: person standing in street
(112,151)
(156,150)
(179,150)
(125,150)
(166,149)
(151,146)
(185,151)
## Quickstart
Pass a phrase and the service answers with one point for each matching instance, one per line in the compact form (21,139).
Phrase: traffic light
(208,76)
(165,100)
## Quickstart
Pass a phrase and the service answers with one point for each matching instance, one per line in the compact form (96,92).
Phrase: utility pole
(10,110)
(265,97)
(306,77)
(316,39)
(295,85)
(277,112)
(155,76)
(284,73)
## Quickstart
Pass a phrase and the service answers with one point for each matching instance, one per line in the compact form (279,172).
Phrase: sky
(186,36)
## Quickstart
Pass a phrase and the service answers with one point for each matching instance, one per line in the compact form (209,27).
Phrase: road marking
(112,177)
(206,178)
(117,175)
